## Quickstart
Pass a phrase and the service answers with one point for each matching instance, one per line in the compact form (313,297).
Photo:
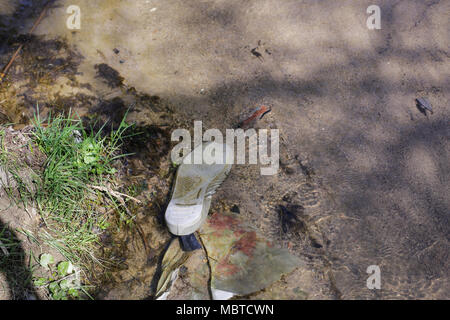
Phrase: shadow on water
(396,215)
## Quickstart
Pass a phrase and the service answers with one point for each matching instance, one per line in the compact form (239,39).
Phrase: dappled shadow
(384,164)
(13,268)
(344,98)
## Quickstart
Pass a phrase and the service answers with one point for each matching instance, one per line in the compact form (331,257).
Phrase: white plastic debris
(221,294)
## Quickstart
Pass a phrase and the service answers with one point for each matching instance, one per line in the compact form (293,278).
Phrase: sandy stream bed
(369,170)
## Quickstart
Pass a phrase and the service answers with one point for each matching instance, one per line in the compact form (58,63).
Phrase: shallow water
(369,170)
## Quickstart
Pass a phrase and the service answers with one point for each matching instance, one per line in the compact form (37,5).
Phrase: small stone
(423,104)
(235,209)
(183,271)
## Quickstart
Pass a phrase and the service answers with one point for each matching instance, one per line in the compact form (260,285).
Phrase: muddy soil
(365,171)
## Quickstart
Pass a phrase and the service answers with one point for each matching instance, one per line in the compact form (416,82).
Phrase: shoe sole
(191,198)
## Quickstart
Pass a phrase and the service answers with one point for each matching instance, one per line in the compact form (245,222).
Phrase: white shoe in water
(194,186)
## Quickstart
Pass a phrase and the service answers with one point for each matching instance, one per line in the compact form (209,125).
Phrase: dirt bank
(368,169)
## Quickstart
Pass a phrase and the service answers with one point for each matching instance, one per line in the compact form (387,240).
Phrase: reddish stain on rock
(222,221)
(225,268)
(246,244)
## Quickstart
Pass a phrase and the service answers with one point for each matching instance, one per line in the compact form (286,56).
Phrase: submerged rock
(240,262)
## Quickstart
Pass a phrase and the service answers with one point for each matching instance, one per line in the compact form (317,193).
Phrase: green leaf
(40,282)
(64,284)
(112,171)
(54,287)
(59,295)
(73,292)
(64,268)
(90,158)
(46,259)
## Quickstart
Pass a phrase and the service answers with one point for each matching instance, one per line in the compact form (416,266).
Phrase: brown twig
(16,54)
(116,194)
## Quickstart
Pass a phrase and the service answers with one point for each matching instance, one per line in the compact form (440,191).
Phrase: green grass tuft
(76,160)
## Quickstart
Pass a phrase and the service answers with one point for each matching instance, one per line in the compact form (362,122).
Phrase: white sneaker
(194,186)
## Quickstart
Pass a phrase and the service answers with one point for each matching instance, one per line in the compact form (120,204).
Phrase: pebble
(235,209)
